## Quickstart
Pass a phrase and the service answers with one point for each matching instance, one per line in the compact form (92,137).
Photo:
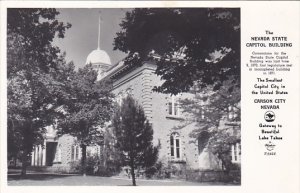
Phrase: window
(173,107)
(236,153)
(75,152)
(175,146)
(172,145)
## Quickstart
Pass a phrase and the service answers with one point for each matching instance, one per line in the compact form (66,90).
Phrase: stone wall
(139,83)
(65,142)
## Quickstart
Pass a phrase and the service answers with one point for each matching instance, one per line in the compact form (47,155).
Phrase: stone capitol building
(162,110)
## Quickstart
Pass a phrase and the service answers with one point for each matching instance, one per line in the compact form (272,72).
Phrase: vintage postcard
(165,95)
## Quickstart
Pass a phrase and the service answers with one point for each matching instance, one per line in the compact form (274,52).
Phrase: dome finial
(99,57)
(99,30)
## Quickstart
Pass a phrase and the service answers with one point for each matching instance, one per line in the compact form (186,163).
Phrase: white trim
(44,154)
(36,156)
(32,156)
(40,155)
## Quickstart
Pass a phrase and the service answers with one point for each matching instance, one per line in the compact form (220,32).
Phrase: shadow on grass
(38,177)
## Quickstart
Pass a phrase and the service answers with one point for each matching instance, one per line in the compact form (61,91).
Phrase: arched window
(75,152)
(175,146)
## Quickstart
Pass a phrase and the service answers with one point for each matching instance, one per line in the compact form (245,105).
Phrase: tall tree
(134,136)
(111,156)
(31,89)
(198,45)
(87,108)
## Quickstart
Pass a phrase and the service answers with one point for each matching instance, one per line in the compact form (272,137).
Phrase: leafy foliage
(87,107)
(32,90)
(217,113)
(220,145)
(30,34)
(134,136)
(189,45)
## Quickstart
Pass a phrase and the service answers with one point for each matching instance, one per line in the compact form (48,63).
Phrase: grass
(38,179)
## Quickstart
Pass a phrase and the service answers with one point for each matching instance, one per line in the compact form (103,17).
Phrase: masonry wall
(65,142)
(139,83)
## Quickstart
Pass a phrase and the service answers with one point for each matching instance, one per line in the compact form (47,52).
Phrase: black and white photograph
(149,96)
(123,96)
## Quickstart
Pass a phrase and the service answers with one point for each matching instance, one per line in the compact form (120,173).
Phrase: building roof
(98,57)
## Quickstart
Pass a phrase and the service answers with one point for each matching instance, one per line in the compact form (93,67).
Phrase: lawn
(38,179)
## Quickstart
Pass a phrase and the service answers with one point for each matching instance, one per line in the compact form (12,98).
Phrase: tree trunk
(24,164)
(132,173)
(15,161)
(83,159)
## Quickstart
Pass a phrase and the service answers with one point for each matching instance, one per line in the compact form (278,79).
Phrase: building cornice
(134,72)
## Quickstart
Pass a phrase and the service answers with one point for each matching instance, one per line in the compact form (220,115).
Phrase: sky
(82,38)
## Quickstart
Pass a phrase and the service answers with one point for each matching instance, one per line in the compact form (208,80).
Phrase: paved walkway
(36,179)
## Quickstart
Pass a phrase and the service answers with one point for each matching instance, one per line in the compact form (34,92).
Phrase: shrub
(159,171)
(75,167)
(150,172)
(96,166)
